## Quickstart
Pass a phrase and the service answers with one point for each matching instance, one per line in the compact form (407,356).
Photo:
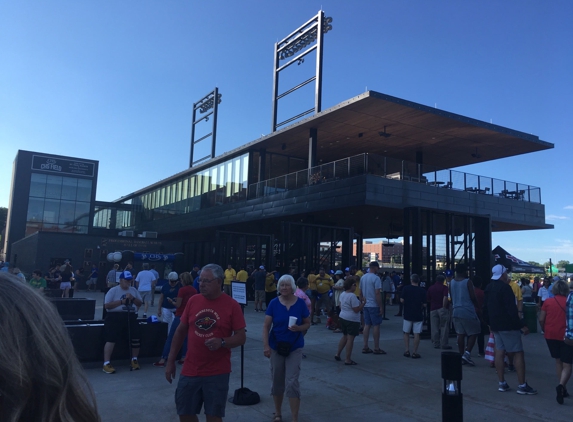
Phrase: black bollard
(452,397)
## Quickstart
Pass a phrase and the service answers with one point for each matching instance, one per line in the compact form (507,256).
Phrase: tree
(562,264)
(3,217)
(535,264)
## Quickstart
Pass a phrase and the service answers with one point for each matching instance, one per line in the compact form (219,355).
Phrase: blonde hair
(186,279)
(40,376)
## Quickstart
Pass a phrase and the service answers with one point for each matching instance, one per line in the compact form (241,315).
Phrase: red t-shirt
(207,319)
(555,319)
(185,294)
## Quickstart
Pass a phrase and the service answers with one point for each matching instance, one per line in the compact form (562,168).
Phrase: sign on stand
(239,292)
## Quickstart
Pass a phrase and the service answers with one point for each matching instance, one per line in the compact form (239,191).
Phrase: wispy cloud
(559,249)
(556,217)
(568,207)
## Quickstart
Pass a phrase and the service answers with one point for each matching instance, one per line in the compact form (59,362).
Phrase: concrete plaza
(381,387)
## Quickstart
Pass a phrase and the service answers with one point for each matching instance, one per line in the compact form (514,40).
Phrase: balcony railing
(399,170)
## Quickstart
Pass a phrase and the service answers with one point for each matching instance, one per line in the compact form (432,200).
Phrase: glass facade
(217,185)
(58,203)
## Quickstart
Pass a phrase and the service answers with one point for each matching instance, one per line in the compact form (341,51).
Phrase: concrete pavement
(380,387)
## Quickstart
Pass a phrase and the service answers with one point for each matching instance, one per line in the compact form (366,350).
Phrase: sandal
(337,358)
(379,352)
(406,354)
(416,356)
(278,418)
(350,363)
(367,350)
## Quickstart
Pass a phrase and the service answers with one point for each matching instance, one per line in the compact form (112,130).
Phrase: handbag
(245,397)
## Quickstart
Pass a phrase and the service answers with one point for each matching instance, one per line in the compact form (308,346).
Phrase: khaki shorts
(259,296)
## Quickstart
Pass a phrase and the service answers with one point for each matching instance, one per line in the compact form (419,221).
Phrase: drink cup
(292,321)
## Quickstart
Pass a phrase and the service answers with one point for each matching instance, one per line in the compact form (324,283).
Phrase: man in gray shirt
(466,321)
(370,286)
(121,303)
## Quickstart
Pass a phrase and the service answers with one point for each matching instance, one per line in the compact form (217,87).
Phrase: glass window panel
(179,190)
(229,178)
(35,210)
(32,228)
(82,213)
(245,168)
(69,188)
(237,174)
(84,192)
(206,182)
(54,187)
(38,185)
(185,189)
(173,192)
(51,211)
(214,173)
(66,228)
(67,212)
(167,194)
(81,229)
(49,227)
(193,187)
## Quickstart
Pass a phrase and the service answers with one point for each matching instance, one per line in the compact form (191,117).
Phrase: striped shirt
(569,315)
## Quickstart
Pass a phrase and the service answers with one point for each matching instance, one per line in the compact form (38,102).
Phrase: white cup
(292,321)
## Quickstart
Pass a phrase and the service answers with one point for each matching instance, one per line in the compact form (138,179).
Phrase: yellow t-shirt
(230,275)
(312,281)
(359,273)
(270,284)
(516,290)
(323,284)
(357,292)
(242,276)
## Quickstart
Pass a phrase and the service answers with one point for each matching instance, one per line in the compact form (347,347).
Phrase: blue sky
(115,81)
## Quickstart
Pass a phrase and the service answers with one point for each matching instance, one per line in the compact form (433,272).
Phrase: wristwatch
(223,342)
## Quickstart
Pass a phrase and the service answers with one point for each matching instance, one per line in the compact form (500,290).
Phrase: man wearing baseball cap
(500,312)
(121,302)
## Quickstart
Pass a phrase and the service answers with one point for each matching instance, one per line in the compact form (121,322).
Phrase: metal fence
(401,170)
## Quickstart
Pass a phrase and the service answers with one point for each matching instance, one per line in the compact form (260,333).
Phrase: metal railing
(399,170)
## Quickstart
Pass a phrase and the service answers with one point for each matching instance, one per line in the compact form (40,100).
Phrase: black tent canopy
(515,264)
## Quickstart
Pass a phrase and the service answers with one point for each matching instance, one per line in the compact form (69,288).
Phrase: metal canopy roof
(353,127)
(445,139)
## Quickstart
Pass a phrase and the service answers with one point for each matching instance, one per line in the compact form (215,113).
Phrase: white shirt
(145,278)
(347,302)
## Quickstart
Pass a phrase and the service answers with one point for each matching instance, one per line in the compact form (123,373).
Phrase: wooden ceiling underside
(445,139)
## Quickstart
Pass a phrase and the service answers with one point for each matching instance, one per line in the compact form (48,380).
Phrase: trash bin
(530,316)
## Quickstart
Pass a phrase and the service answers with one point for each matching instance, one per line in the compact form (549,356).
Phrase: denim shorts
(372,316)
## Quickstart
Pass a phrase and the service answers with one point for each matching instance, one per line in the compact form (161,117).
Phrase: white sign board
(239,292)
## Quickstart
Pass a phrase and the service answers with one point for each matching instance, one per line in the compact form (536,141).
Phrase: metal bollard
(452,397)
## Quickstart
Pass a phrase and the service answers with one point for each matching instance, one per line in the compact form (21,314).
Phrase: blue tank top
(463,305)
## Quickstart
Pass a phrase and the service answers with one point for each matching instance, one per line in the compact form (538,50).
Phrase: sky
(116,81)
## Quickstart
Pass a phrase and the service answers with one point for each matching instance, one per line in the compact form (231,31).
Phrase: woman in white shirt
(350,307)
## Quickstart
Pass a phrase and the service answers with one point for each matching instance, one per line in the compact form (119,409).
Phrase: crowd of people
(204,323)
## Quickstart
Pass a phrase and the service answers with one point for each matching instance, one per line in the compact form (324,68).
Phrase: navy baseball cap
(449,273)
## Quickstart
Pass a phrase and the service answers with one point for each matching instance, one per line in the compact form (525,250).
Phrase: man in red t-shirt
(439,314)
(213,323)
